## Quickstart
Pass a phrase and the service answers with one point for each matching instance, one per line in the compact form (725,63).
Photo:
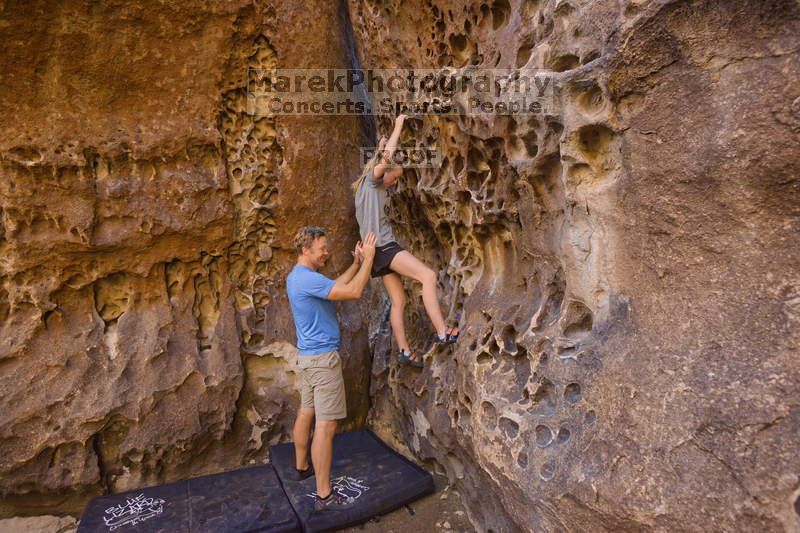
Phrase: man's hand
(368,248)
(358,253)
(398,122)
(353,288)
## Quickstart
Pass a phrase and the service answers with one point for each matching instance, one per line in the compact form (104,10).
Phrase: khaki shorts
(322,385)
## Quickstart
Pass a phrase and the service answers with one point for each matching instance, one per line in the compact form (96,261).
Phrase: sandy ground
(441,511)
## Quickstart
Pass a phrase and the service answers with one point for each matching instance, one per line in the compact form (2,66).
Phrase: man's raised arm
(352,289)
(358,257)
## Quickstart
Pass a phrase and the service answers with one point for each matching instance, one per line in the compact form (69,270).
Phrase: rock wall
(146,224)
(624,270)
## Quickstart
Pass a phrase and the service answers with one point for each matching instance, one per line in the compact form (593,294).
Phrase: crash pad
(245,500)
(376,479)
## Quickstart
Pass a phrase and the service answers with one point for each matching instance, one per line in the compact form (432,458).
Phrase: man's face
(317,253)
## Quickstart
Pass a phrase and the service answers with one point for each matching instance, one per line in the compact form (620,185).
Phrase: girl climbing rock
(391,260)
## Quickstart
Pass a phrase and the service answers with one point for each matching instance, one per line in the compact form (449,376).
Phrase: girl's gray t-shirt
(372,210)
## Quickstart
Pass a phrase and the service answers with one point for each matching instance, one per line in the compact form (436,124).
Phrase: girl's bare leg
(405,264)
(394,286)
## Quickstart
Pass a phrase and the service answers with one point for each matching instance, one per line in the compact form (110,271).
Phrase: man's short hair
(305,236)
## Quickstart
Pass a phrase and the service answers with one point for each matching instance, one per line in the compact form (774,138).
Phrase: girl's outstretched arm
(391,146)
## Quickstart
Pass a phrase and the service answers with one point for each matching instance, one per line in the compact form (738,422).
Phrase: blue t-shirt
(314,318)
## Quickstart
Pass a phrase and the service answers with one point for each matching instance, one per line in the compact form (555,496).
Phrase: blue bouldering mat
(246,500)
(374,476)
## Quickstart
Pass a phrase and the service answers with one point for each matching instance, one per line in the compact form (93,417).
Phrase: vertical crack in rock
(101,463)
(366,122)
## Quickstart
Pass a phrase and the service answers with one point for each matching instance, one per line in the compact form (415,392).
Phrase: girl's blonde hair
(367,169)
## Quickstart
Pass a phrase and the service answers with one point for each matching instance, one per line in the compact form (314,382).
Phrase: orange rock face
(147,224)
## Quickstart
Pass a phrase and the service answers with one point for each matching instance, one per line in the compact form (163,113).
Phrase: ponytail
(370,166)
(367,169)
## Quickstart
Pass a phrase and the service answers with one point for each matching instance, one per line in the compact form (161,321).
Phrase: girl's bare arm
(391,146)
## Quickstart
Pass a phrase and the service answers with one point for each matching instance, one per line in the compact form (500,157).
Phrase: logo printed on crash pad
(134,510)
(346,487)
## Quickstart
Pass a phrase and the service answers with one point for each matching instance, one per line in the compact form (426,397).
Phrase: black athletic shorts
(383,257)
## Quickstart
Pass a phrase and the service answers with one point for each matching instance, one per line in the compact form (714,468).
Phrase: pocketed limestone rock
(623,269)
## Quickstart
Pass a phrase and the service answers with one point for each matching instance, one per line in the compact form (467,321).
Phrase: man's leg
(330,405)
(322,455)
(301,435)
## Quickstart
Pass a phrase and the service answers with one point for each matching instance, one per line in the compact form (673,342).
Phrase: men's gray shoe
(300,475)
(334,502)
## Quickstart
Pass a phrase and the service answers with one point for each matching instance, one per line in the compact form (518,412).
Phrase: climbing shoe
(300,475)
(415,360)
(403,356)
(450,336)
(334,502)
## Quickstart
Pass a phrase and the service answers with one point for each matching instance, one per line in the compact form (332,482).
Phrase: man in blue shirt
(322,395)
